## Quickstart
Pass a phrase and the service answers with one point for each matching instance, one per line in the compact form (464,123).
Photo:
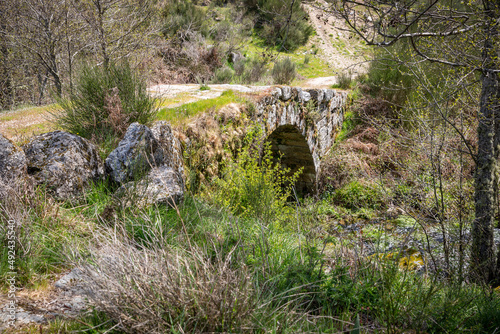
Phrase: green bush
(345,79)
(284,71)
(249,70)
(254,70)
(104,102)
(356,195)
(272,19)
(253,189)
(388,78)
(31,236)
(223,75)
(180,15)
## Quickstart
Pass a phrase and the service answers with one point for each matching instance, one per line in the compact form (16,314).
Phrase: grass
(95,322)
(18,124)
(226,271)
(220,266)
(313,69)
(349,123)
(45,227)
(177,114)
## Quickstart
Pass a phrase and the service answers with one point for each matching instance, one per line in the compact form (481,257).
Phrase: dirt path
(340,49)
(186,93)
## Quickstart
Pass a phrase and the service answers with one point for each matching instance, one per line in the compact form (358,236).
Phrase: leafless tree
(459,35)
(37,27)
(6,93)
(117,28)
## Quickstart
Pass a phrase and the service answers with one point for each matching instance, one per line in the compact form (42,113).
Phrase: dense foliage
(280,23)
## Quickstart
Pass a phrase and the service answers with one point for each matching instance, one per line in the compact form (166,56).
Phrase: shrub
(272,19)
(249,70)
(253,189)
(181,16)
(31,234)
(345,79)
(255,69)
(284,71)
(356,195)
(105,101)
(223,75)
(155,288)
(388,78)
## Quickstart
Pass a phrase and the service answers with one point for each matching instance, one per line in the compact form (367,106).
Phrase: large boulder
(135,155)
(171,146)
(14,178)
(64,162)
(162,186)
(12,161)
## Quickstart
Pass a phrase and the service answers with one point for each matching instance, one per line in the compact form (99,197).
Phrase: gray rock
(171,146)
(70,279)
(22,317)
(286,93)
(162,186)
(135,155)
(317,95)
(235,57)
(329,93)
(353,228)
(297,93)
(65,162)
(12,160)
(77,304)
(276,93)
(304,96)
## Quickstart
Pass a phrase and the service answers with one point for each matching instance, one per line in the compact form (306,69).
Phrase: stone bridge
(301,126)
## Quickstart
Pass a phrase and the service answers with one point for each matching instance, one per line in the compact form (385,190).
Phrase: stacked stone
(302,126)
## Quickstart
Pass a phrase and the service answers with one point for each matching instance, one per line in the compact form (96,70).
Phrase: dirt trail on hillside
(342,50)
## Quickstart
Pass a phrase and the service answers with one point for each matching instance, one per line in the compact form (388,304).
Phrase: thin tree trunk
(6,91)
(482,255)
(102,35)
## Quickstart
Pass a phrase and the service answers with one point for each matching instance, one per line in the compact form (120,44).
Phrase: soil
(342,50)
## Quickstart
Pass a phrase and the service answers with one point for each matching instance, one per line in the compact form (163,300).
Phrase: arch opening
(289,144)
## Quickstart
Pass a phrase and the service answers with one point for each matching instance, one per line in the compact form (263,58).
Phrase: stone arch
(288,143)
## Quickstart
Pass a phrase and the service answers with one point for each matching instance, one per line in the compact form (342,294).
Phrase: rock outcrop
(12,161)
(162,186)
(172,151)
(64,162)
(135,155)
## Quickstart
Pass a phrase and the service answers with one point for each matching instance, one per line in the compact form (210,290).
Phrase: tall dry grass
(156,288)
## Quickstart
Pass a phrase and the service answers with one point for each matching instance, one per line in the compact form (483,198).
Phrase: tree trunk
(102,34)
(6,91)
(482,253)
